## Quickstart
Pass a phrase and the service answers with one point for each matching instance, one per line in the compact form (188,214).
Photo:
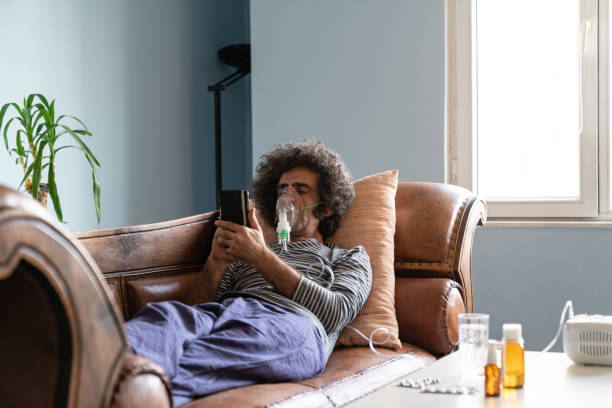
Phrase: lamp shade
(237,55)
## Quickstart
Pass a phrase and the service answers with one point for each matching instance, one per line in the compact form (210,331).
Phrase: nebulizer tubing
(370,339)
(306,207)
(569,307)
(330,271)
(372,343)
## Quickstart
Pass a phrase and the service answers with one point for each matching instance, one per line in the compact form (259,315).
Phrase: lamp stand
(217,88)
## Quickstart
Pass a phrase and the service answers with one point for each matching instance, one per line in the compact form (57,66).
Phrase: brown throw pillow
(370,222)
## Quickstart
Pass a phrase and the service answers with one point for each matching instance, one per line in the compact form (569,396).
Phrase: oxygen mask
(286,216)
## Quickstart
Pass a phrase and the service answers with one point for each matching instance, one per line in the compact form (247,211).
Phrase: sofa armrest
(434,233)
(427,310)
(61,334)
(141,384)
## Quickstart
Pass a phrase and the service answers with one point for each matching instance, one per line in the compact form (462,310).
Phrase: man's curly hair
(335,187)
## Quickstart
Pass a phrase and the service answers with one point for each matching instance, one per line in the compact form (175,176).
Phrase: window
(527,113)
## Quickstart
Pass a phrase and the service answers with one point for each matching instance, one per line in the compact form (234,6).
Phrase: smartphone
(235,206)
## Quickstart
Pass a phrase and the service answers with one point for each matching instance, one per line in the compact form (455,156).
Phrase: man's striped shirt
(334,285)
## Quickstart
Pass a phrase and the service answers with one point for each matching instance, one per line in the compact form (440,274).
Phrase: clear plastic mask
(284,204)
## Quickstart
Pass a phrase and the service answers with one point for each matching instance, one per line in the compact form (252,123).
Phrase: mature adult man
(258,313)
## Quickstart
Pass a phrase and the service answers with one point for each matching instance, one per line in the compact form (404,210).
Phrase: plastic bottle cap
(494,345)
(512,331)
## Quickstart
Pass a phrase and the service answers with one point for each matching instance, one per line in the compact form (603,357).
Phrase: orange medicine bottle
(491,370)
(513,375)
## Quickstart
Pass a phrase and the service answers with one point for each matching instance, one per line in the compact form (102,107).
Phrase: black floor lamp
(239,56)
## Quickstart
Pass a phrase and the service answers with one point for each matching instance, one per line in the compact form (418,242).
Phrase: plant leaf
(52,111)
(6,128)
(49,133)
(82,132)
(66,147)
(13,104)
(30,99)
(42,99)
(82,145)
(20,149)
(27,173)
(96,188)
(81,122)
(23,154)
(39,128)
(28,117)
(2,113)
(53,190)
(39,114)
(36,176)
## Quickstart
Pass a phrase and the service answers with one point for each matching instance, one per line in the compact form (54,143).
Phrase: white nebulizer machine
(587,339)
(285,214)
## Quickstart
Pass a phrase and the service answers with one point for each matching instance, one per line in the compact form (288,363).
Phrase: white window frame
(460,117)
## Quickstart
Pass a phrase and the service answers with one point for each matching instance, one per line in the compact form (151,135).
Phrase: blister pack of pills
(434,385)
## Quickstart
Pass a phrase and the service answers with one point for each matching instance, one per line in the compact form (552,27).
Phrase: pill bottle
(491,370)
(513,356)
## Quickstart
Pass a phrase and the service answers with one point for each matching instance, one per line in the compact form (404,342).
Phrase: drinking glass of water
(473,337)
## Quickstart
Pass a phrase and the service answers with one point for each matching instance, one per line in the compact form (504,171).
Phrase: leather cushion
(156,289)
(347,361)
(350,373)
(260,395)
(114,284)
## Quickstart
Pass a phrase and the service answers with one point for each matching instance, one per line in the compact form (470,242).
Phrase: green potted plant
(37,143)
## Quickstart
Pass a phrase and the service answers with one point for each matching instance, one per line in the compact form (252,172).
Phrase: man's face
(303,184)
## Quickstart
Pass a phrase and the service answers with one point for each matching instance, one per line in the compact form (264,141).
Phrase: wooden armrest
(60,324)
(141,384)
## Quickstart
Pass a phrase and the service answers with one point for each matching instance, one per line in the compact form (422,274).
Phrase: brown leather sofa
(62,341)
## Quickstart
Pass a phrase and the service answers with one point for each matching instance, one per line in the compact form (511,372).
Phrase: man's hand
(239,242)
(218,254)
(206,286)
(248,245)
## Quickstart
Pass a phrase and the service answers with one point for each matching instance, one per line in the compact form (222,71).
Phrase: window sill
(576,223)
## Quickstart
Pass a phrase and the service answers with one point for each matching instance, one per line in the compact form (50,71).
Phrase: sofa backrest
(151,262)
(161,261)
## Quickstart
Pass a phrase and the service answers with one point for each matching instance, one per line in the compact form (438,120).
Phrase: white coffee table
(551,380)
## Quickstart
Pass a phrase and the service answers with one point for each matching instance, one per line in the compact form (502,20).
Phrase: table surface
(551,379)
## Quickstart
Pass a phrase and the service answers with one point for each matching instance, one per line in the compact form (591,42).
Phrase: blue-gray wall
(136,73)
(362,76)
(367,78)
